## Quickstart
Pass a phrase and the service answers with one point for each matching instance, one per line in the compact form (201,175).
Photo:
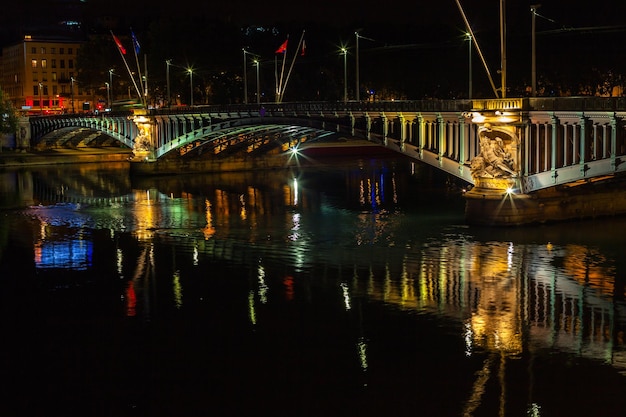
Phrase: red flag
(283,48)
(119,44)
(303,48)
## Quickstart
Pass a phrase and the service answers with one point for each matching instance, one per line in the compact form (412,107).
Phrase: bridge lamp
(108,95)
(190,71)
(72,92)
(468,36)
(257,63)
(40,99)
(245,78)
(344,51)
(168,62)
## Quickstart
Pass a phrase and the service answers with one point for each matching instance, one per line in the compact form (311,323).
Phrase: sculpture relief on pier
(142,143)
(497,164)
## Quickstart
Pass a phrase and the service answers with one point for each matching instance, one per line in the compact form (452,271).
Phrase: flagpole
(279,97)
(141,96)
(292,62)
(135,49)
(127,68)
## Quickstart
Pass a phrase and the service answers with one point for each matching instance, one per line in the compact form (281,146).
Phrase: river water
(349,289)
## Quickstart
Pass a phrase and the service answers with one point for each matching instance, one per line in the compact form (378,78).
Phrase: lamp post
(469,39)
(108,95)
(190,71)
(357,62)
(111,83)
(72,92)
(245,78)
(533,74)
(344,51)
(258,92)
(168,62)
(40,99)
(357,91)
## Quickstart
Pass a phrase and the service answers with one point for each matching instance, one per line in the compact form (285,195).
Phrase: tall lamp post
(357,67)
(168,62)
(469,39)
(111,84)
(245,77)
(108,95)
(72,92)
(40,99)
(258,91)
(190,71)
(344,51)
(357,62)
(533,74)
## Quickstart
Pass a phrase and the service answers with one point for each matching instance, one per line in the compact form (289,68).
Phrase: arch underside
(245,139)
(76,137)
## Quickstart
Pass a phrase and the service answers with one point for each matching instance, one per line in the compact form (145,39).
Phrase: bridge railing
(321,107)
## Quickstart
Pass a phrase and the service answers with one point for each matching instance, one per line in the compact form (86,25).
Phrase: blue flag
(135,41)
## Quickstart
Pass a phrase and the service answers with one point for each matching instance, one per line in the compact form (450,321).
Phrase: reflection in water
(325,259)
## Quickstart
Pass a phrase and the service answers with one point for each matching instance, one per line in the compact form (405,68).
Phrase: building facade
(39,76)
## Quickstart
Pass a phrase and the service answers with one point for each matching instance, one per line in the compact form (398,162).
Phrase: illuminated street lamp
(190,71)
(357,62)
(72,92)
(344,51)
(533,75)
(110,81)
(469,39)
(108,95)
(168,62)
(258,93)
(245,72)
(245,78)
(40,99)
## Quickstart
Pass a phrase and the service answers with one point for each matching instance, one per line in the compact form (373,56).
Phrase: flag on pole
(303,48)
(283,48)
(135,42)
(119,44)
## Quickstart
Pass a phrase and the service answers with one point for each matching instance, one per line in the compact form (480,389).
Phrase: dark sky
(341,13)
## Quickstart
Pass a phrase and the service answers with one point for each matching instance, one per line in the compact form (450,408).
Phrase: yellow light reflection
(178,290)
(346,295)
(251,309)
(362,352)
(263,288)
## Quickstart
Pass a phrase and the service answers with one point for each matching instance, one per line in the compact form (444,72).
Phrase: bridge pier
(537,168)
(563,203)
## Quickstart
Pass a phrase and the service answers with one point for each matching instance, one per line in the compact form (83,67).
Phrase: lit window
(44,63)
(33,63)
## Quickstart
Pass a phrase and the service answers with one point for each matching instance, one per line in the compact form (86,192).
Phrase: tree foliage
(9,119)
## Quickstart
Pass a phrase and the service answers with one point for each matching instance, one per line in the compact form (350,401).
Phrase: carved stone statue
(497,155)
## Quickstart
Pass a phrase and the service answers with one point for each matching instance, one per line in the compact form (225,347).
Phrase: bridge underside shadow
(73,137)
(245,140)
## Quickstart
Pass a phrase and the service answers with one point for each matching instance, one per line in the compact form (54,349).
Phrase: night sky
(423,37)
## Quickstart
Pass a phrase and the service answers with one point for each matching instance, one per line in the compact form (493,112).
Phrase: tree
(9,118)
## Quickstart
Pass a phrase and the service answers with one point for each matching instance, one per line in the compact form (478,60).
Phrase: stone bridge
(527,159)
